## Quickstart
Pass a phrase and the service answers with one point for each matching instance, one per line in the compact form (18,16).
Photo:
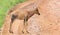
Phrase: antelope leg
(25,19)
(12,20)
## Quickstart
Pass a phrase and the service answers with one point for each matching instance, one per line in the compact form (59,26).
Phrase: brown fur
(25,10)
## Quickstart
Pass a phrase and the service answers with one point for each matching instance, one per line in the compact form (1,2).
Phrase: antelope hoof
(10,31)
